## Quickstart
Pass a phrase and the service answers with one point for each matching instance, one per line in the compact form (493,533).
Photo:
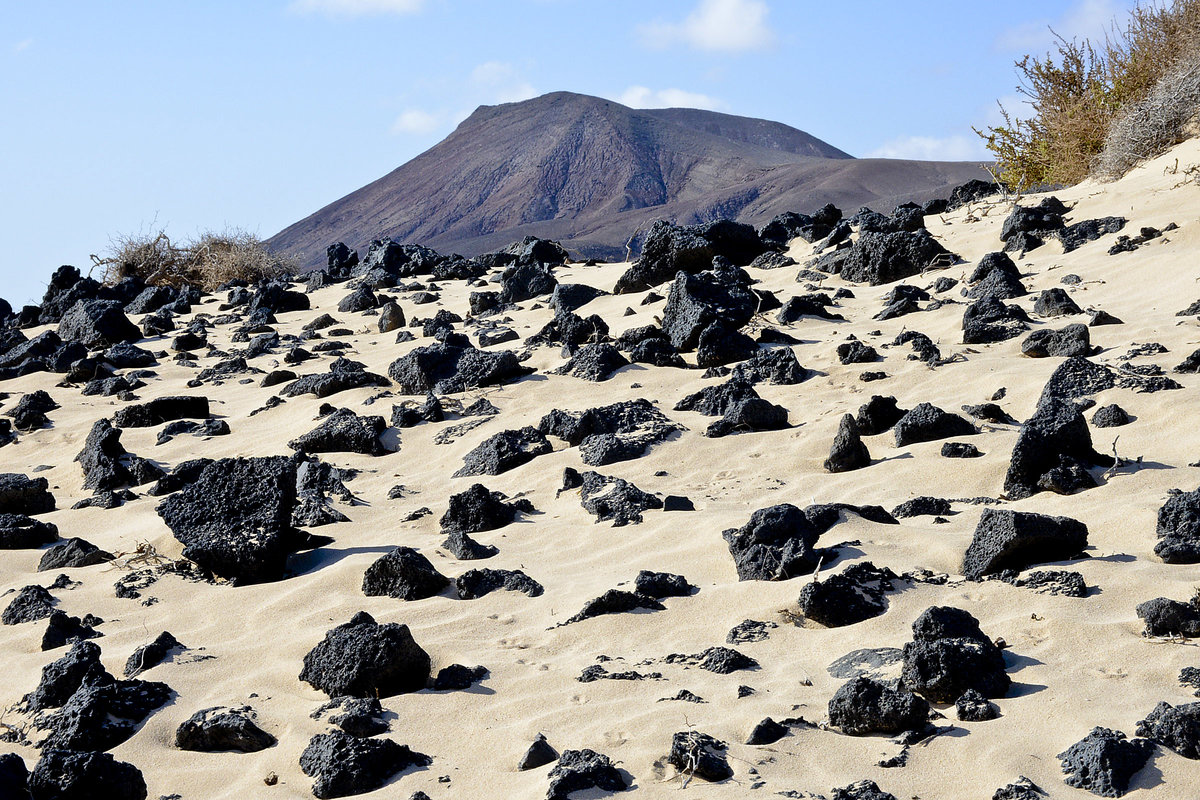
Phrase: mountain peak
(589,172)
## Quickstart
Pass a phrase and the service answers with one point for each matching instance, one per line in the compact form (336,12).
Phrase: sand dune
(1075,663)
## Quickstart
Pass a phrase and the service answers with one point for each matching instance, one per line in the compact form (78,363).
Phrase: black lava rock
(456,677)
(974,707)
(878,415)
(235,518)
(1019,539)
(776,544)
(215,729)
(19,532)
(365,659)
(1056,435)
(448,369)
(578,770)
(926,423)
(1104,762)
(20,494)
(503,451)
(1073,340)
(864,706)
(343,431)
(405,574)
(697,754)
(1165,617)
(31,604)
(662,584)
(949,654)
(851,596)
(1110,416)
(70,775)
(475,583)
(151,655)
(539,754)
(848,451)
(345,765)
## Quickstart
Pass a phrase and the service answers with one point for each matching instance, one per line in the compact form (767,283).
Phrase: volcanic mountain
(591,173)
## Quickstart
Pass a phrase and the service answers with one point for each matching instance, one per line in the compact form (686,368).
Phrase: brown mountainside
(590,173)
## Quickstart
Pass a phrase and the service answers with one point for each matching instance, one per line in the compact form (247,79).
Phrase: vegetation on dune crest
(207,261)
(1099,108)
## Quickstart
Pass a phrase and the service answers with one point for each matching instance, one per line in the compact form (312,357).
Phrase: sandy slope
(1076,663)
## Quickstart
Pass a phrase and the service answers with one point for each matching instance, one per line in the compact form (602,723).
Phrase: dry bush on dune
(209,260)
(1089,99)
(1148,127)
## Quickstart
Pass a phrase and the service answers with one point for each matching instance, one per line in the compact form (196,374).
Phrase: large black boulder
(19,532)
(1178,529)
(1166,617)
(31,604)
(697,754)
(883,257)
(1006,539)
(578,770)
(612,433)
(343,431)
(448,369)
(503,451)
(863,706)
(215,729)
(479,509)
(949,654)
(878,415)
(1073,340)
(1104,762)
(526,281)
(20,494)
(848,451)
(927,423)
(1056,433)
(997,275)
(670,249)
(849,597)
(988,320)
(345,765)
(235,518)
(103,712)
(71,775)
(1175,727)
(405,574)
(14,777)
(1045,217)
(97,324)
(697,302)
(62,677)
(362,658)
(160,410)
(777,543)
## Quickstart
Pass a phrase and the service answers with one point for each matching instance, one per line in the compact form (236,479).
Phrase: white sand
(1075,663)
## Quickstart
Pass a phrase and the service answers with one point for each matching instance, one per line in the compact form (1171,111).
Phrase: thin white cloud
(22,45)
(932,148)
(644,97)
(416,122)
(356,8)
(501,82)
(1086,19)
(715,25)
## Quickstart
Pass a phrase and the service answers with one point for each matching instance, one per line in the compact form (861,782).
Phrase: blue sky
(124,117)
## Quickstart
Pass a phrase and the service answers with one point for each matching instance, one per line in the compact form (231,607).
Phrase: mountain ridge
(591,172)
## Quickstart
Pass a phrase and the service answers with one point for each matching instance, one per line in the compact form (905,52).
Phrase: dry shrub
(1078,95)
(1154,124)
(209,260)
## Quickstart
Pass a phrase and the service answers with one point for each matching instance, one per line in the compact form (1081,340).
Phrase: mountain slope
(590,172)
